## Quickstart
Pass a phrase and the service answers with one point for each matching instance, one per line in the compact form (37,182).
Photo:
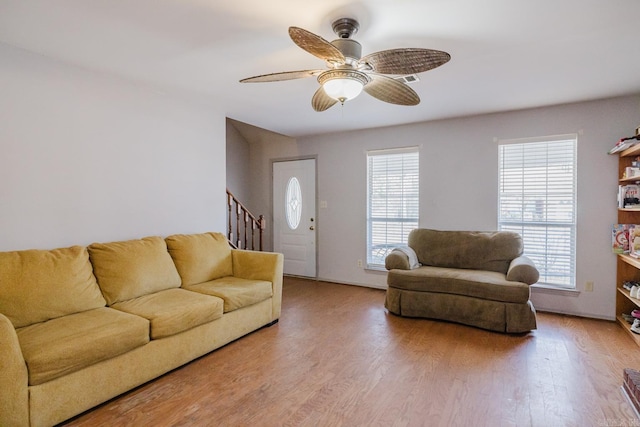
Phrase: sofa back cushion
(492,251)
(40,285)
(200,257)
(132,268)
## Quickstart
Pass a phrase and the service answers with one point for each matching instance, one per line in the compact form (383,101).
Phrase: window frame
(405,223)
(557,199)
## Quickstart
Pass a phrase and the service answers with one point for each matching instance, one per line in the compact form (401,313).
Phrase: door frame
(313,157)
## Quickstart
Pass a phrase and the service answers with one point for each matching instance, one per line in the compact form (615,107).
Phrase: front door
(294,215)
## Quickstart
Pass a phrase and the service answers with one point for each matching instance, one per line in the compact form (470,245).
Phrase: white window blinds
(392,200)
(537,199)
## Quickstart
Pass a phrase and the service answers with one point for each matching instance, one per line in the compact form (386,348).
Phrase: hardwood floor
(337,358)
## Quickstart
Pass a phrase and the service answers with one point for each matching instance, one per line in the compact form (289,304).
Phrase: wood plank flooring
(337,358)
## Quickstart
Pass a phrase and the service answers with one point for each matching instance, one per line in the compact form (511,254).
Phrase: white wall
(238,179)
(86,157)
(458,159)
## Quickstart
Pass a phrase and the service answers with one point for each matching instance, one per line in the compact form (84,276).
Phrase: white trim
(548,138)
(400,150)
(574,314)
(347,283)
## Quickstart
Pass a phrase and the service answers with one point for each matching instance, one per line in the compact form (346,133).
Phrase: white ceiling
(506,54)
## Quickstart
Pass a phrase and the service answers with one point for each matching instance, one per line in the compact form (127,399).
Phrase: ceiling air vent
(410,78)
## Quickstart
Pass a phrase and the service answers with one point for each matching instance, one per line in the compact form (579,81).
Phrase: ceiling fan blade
(286,75)
(321,101)
(391,90)
(405,61)
(316,45)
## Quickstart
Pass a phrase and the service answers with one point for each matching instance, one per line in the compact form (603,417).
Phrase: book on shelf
(628,196)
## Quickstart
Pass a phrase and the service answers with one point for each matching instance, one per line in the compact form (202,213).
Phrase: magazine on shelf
(625,143)
(620,238)
(634,241)
(621,147)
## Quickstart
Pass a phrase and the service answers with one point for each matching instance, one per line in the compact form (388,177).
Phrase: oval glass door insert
(293,203)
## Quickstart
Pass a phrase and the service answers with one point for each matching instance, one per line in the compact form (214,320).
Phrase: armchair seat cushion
(173,310)
(67,344)
(235,291)
(488,285)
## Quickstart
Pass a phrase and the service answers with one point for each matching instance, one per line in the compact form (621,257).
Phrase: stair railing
(242,226)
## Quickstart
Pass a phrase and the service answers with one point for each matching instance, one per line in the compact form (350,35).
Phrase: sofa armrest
(397,260)
(522,269)
(257,265)
(14,378)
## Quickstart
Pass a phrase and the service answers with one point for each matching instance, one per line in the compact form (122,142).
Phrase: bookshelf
(628,267)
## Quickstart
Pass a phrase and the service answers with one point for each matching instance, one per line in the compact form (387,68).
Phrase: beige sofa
(475,278)
(81,325)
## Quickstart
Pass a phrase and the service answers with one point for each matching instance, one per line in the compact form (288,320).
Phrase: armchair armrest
(407,259)
(14,378)
(257,265)
(397,260)
(522,269)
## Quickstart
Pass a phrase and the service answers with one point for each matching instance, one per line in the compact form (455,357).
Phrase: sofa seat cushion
(173,310)
(132,268)
(489,285)
(235,292)
(67,344)
(39,285)
(200,257)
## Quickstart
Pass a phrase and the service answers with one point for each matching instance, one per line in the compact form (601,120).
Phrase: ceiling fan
(349,73)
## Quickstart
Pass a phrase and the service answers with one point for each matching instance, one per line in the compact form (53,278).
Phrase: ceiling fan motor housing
(345,28)
(351,49)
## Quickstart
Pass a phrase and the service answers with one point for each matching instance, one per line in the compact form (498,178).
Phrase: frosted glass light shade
(343,89)
(343,84)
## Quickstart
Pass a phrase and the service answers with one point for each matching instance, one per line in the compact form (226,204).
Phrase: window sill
(548,289)
(377,268)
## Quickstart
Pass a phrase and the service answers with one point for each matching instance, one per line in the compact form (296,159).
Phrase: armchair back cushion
(200,257)
(133,268)
(492,251)
(40,285)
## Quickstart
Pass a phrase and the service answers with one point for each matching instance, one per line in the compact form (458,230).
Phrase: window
(392,200)
(537,199)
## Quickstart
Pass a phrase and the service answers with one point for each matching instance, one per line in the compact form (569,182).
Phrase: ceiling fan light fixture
(343,85)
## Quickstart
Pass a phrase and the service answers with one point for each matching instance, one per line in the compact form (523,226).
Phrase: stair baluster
(243,235)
